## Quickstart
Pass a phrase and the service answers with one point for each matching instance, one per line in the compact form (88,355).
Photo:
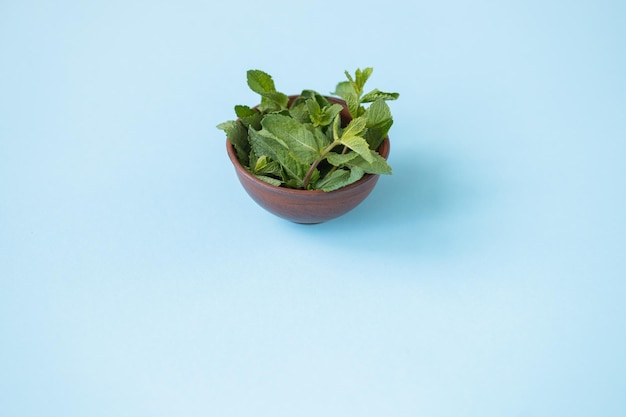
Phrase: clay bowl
(306,206)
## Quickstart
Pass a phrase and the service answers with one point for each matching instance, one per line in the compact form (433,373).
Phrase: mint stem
(307,177)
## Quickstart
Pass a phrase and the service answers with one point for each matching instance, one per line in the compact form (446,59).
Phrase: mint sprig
(304,144)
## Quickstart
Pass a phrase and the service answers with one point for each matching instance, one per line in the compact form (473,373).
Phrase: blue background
(486,277)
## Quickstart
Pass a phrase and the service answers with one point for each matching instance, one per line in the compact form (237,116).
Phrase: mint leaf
(358,145)
(261,163)
(376,94)
(244,111)
(307,94)
(351,81)
(249,116)
(265,143)
(337,159)
(353,160)
(361,78)
(293,183)
(322,116)
(299,140)
(311,94)
(299,111)
(260,82)
(336,128)
(378,164)
(263,84)
(238,136)
(375,135)
(328,114)
(339,178)
(315,111)
(343,89)
(334,180)
(379,122)
(269,180)
(378,113)
(356,127)
(265,166)
(311,107)
(356,174)
(354,106)
(274,101)
(320,137)
(346,90)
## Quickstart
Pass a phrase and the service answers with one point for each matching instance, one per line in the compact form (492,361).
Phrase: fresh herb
(305,144)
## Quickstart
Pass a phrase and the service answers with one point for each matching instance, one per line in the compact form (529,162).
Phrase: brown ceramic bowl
(306,206)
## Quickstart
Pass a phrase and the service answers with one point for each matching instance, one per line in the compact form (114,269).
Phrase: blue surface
(486,277)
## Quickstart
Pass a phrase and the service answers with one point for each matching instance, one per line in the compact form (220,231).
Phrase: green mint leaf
(307,94)
(337,159)
(379,122)
(315,111)
(293,183)
(260,164)
(336,128)
(274,101)
(244,111)
(343,89)
(356,173)
(238,136)
(328,114)
(310,107)
(311,94)
(378,165)
(350,79)
(375,135)
(249,116)
(378,113)
(265,166)
(361,78)
(322,116)
(328,131)
(265,143)
(263,84)
(333,180)
(346,91)
(270,180)
(358,145)
(299,140)
(298,100)
(339,178)
(260,82)
(252,158)
(300,112)
(353,84)
(321,138)
(356,127)
(376,94)
(354,106)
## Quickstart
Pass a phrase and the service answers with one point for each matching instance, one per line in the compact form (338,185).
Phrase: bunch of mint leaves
(304,145)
